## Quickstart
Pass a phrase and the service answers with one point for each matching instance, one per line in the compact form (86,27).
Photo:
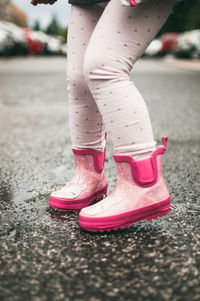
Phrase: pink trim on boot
(140,193)
(144,172)
(88,183)
(64,204)
(126,219)
(98,158)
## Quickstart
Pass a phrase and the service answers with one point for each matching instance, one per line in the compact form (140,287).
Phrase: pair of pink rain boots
(140,192)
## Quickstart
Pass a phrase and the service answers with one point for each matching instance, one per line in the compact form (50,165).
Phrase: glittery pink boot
(140,193)
(88,183)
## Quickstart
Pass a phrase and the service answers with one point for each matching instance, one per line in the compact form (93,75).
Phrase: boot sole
(120,221)
(64,204)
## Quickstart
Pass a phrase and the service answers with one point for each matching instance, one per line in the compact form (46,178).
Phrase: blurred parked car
(51,45)
(6,43)
(154,48)
(64,49)
(41,43)
(35,46)
(168,42)
(188,44)
(15,40)
(55,45)
(16,34)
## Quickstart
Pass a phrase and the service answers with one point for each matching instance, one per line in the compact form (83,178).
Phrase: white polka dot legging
(104,41)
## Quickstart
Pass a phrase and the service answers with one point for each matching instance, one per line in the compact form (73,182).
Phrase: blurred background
(28,30)
(44,255)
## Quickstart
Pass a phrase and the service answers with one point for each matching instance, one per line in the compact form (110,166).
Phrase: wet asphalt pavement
(44,255)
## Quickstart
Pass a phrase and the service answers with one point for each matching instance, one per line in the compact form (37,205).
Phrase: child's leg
(121,36)
(119,39)
(89,182)
(86,124)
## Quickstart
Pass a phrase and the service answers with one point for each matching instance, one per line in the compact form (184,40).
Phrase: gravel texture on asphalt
(44,255)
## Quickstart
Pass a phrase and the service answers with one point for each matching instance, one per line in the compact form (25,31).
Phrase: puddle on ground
(32,207)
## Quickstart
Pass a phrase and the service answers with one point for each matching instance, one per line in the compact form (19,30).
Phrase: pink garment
(140,193)
(104,42)
(88,183)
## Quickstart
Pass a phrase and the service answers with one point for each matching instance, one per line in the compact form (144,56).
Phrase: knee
(102,67)
(91,65)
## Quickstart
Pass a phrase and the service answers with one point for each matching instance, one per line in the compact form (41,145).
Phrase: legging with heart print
(104,42)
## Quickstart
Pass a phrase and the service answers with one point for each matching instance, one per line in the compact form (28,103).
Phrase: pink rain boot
(88,183)
(140,193)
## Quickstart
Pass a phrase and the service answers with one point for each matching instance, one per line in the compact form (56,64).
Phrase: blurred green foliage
(53,28)
(36,25)
(185,16)
(63,33)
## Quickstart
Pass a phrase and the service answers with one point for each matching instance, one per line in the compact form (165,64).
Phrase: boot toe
(68,192)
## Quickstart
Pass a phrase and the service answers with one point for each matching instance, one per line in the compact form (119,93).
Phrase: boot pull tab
(98,158)
(165,141)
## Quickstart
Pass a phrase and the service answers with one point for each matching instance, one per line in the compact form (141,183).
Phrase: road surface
(44,255)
